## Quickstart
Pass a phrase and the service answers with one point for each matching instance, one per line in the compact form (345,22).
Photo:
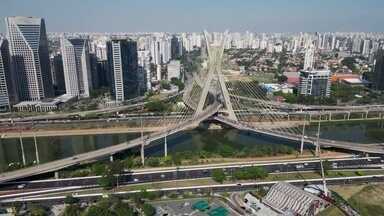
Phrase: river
(226,142)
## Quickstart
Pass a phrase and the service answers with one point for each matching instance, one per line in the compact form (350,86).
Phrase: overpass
(368,148)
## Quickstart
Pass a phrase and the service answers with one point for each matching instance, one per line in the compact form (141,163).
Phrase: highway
(301,107)
(142,176)
(233,187)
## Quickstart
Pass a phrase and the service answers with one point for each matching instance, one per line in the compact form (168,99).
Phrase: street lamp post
(36,149)
(142,141)
(165,146)
(302,137)
(22,150)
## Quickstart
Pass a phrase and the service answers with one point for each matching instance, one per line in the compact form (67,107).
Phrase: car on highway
(21,186)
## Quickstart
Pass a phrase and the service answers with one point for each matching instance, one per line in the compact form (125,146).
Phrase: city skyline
(175,16)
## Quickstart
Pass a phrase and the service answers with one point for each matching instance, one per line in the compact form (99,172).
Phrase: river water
(223,142)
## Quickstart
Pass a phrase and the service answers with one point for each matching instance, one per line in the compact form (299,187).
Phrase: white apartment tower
(309,57)
(315,83)
(76,65)
(28,47)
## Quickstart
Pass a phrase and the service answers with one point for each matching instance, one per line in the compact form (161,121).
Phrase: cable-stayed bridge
(208,95)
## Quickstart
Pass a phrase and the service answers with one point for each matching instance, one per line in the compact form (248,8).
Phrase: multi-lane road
(182,173)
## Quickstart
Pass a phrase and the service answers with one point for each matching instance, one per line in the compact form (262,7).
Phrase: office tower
(144,70)
(315,83)
(77,69)
(58,74)
(104,74)
(29,57)
(94,73)
(309,57)
(378,74)
(175,48)
(173,69)
(122,58)
(5,81)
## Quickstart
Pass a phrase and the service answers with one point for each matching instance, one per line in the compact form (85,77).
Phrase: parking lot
(184,207)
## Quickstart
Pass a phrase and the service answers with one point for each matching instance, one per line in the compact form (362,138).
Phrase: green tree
(129,163)
(156,105)
(177,159)
(327,165)
(98,169)
(218,175)
(177,82)
(153,161)
(148,210)
(107,181)
(350,62)
(70,200)
(72,210)
(116,167)
(250,173)
(164,84)
(38,211)
(123,209)
(98,211)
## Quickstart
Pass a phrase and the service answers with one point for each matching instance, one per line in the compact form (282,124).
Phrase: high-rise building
(29,57)
(315,83)
(366,47)
(58,74)
(378,78)
(309,57)
(173,69)
(5,73)
(144,70)
(122,58)
(94,73)
(356,45)
(175,48)
(76,64)
(104,74)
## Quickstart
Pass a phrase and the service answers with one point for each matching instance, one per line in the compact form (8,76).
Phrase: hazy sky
(195,15)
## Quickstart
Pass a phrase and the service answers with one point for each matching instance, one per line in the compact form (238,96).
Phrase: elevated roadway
(368,148)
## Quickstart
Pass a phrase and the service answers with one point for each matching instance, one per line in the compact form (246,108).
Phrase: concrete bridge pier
(317,150)
(349,115)
(142,153)
(330,116)
(302,140)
